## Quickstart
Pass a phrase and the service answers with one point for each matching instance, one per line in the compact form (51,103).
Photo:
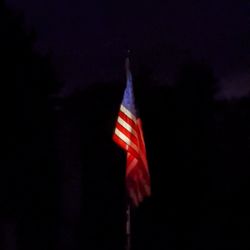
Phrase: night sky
(62,180)
(89,39)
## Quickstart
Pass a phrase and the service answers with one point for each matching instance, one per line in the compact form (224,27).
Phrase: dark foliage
(28,171)
(198,151)
(62,177)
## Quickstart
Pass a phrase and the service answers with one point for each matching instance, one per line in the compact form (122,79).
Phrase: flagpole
(128,228)
(136,157)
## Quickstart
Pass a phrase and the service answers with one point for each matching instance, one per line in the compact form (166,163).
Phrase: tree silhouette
(198,152)
(198,157)
(28,166)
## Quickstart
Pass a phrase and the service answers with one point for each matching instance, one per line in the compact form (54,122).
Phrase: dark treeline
(198,150)
(62,177)
(28,174)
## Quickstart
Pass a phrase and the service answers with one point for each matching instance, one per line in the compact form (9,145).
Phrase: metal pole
(128,228)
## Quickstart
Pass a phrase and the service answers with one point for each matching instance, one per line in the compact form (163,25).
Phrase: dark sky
(89,38)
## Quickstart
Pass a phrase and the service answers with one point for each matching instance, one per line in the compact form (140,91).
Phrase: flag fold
(128,135)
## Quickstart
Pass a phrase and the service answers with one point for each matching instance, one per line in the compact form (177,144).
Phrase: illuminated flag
(128,135)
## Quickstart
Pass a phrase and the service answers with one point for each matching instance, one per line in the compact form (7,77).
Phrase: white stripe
(125,139)
(126,126)
(128,113)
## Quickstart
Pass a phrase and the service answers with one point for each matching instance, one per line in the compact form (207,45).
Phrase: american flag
(128,135)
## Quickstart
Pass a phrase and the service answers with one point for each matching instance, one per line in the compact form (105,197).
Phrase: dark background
(62,177)
(88,39)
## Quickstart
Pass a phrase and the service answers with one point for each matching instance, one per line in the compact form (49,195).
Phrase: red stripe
(130,158)
(137,175)
(131,163)
(127,133)
(119,142)
(128,122)
(124,145)
(144,180)
(138,188)
(144,175)
(134,187)
(127,119)
(138,181)
(142,171)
